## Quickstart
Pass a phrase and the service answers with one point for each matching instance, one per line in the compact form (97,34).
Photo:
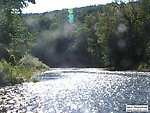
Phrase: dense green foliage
(114,35)
(59,43)
(15,39)
(15,42)
(25,70)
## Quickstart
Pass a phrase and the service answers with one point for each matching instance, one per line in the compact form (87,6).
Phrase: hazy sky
(50,5)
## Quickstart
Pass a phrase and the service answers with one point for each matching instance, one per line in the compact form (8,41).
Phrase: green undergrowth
(144,66)
(24,71)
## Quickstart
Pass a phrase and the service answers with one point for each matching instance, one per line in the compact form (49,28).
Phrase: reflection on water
(78,91)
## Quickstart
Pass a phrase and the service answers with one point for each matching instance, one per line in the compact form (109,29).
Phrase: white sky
(50,5)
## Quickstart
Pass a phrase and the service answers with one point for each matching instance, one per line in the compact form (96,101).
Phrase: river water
(78,90)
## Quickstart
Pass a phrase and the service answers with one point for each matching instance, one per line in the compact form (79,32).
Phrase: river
(78,90)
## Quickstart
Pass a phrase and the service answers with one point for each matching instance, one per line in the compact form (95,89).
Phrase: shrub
(30,61)
(28,67)
(143,66)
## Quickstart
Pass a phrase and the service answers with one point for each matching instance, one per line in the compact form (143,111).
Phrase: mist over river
(78,90)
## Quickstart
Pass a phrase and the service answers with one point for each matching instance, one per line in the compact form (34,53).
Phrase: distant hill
(61,16)
(113,35)
(53,25)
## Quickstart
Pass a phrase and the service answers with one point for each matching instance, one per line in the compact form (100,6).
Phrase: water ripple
(78,91)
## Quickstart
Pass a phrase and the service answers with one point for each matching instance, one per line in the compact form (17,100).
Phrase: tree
(14,37)
(15,5)
(122,33)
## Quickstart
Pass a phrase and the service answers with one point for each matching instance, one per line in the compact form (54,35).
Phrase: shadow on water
(48,76)
(62,74)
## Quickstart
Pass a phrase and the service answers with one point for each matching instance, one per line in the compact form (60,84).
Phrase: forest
(115,36)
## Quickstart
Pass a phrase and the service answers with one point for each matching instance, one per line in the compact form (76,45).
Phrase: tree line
(115,35)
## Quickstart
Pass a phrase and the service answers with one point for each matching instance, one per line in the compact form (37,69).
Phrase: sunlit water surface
(78,90)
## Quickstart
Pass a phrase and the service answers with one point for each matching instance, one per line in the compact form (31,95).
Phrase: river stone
(4,97)
(3,109)
(11,102)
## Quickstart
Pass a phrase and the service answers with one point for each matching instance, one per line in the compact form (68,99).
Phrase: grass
(144,66)
(24,71)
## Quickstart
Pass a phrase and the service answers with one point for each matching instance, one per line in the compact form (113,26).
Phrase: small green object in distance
(70,11)
(71,18)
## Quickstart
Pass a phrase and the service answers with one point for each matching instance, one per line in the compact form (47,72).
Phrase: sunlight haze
(49,5)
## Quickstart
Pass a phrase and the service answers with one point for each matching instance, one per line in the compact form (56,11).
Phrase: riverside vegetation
(115,35)
(16,65)
(27,68)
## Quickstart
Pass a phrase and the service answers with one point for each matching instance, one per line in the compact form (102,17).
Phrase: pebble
(10,102)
